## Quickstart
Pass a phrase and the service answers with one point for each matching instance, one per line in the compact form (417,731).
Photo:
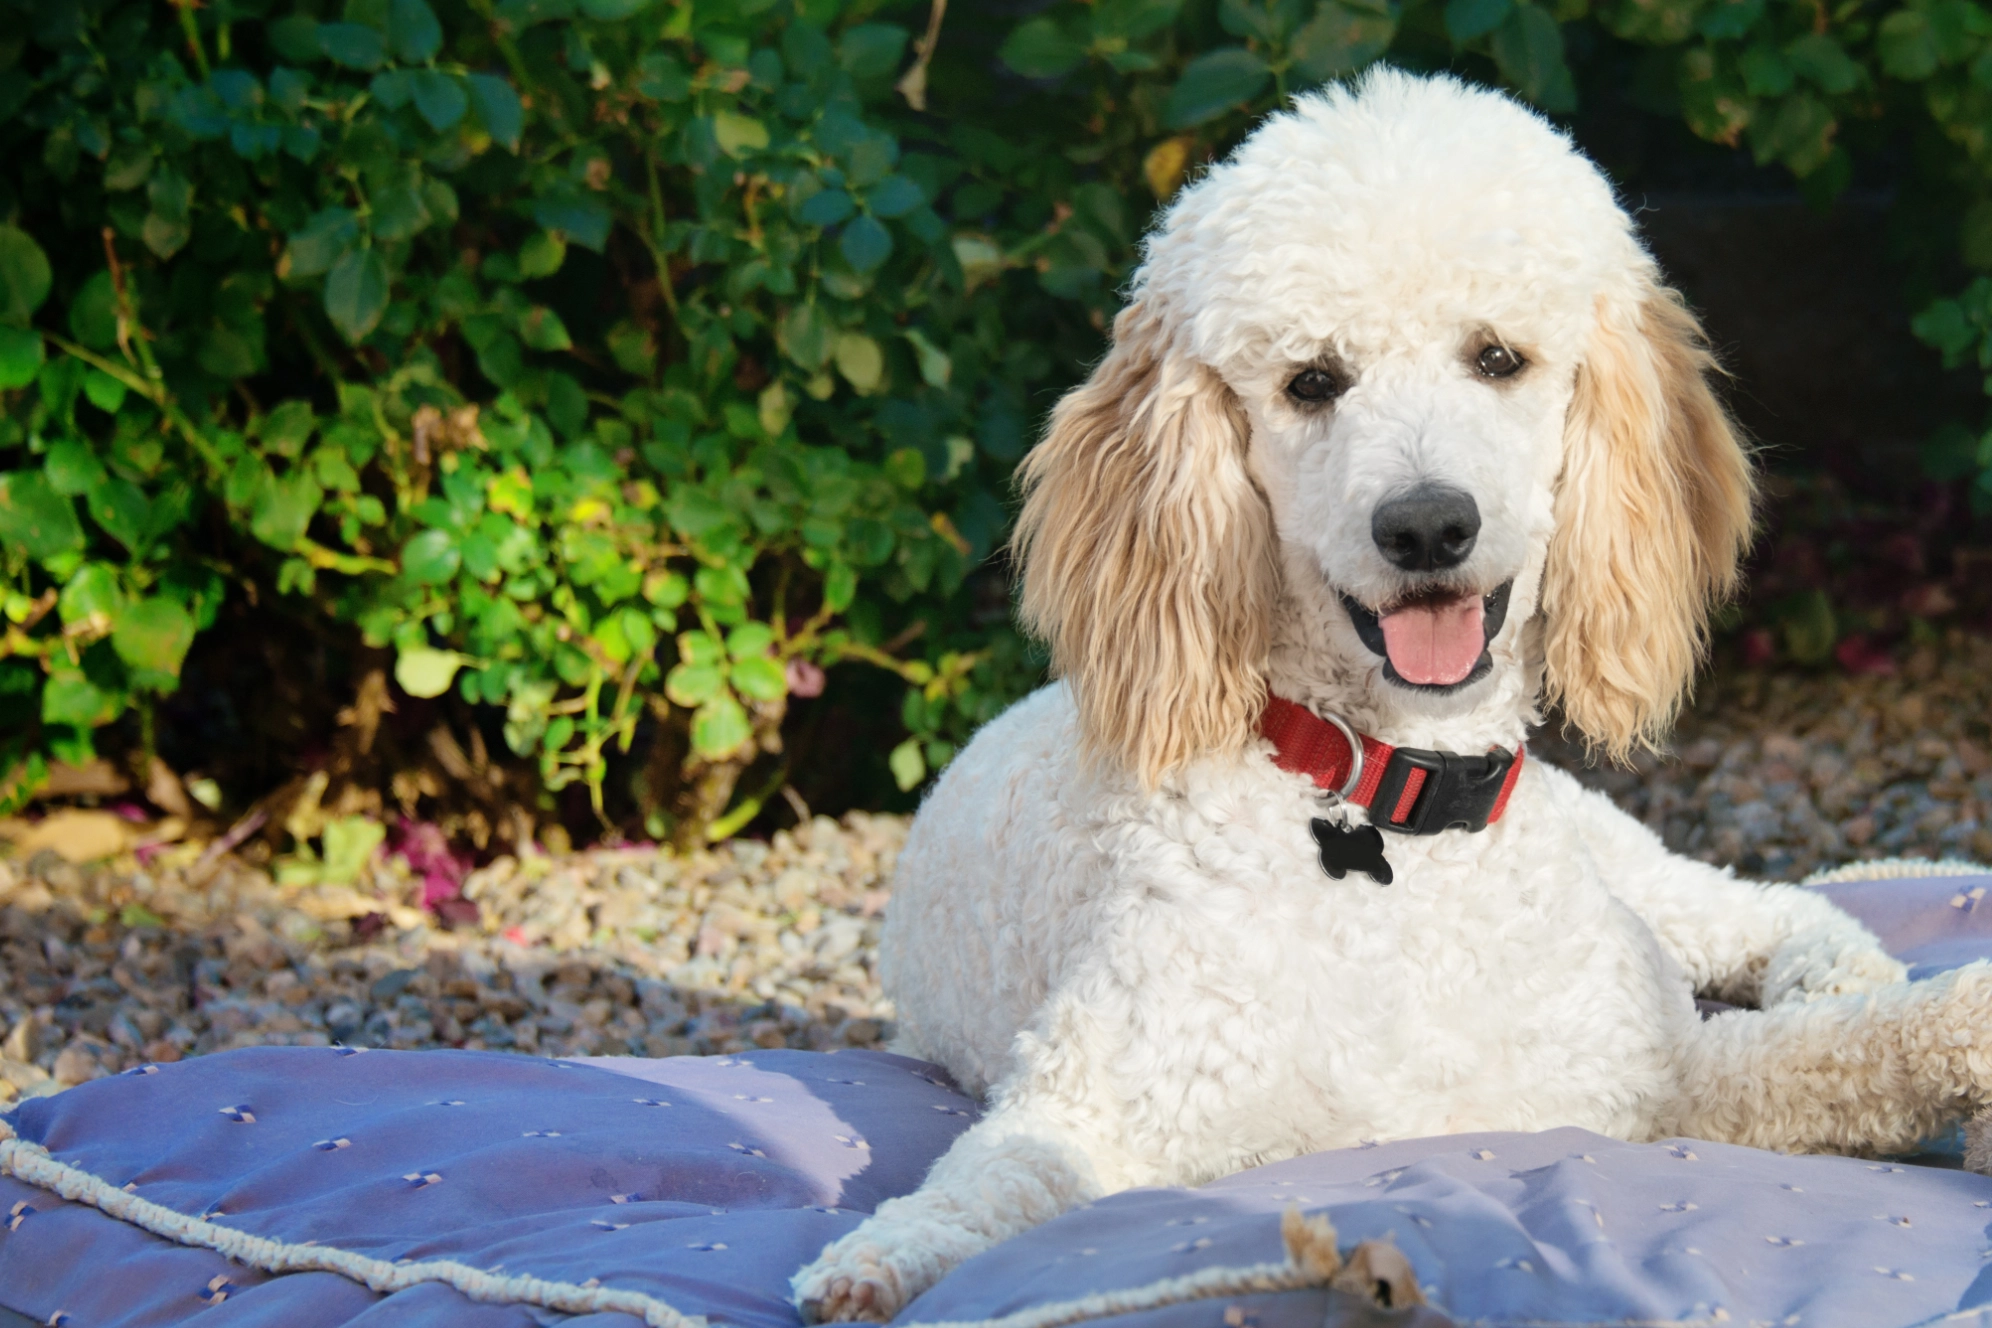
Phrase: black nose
(1426,529)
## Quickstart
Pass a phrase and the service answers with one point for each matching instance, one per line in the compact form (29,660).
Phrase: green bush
(620,364)
(525,340)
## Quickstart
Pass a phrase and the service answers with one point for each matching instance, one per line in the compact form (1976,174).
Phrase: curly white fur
(1109,916)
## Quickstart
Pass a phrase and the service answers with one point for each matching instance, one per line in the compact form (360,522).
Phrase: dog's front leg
(1872,1073)
(1742,941)
(1025,1163)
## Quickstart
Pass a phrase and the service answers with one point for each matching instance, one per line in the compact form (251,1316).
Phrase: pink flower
(804,678)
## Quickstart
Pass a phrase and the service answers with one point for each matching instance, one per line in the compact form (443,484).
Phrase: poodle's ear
(1653,514)
(1147,556)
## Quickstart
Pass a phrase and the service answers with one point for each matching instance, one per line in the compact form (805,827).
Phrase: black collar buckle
(1459,792)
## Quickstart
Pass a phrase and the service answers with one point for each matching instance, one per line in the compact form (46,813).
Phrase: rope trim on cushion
(1897,869)
(31,1163)
(1312,1260)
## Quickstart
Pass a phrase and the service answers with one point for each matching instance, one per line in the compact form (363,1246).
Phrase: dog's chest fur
(1191,943)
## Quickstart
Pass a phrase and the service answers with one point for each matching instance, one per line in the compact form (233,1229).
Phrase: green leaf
(1823,60)
(414,34)
(827,207)
(439,99)
(430,557)
(760,679)
(325,239)
(350,842)
(806,336)
(1907,45)
(865,244)
(71,698)
(861,361)
(738,135)
(871,50)
(120,507)
(1729,20)
(907,468)
(425,671)
(840,587)
(354,45)
(164,235)
(701,648)
(93,314)
(581,218)
(20,356)
(498,108)
(1799,133)
(286,428)
(295,39)
(400,211)
(92,590)
(1214,83)
(1467,19)
(153,636)
(541,328)
(283,508)
(720,727)
(356,292)
(105,392)
(1528,50)
(541,255)
(34,517)
(909,767)
(1765,71)
(1341,39)
(611,11)
(936,368)
(894,196)
(1038,48)
(25,276)
(72,467)
(750,640)
(664,79)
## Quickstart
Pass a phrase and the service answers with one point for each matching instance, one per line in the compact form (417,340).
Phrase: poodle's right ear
(1147,556)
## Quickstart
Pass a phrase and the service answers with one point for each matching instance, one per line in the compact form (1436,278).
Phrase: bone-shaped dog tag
(1344,850)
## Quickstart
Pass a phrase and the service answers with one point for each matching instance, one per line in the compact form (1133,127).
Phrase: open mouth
(1436,642)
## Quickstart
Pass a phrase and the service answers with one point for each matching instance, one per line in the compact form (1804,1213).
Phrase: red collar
(1425,791)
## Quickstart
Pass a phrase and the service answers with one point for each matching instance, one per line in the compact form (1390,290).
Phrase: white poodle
(1400,432)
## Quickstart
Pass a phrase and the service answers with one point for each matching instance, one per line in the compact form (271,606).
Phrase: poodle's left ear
(1653,514)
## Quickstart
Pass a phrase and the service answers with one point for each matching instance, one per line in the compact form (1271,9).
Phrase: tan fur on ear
(1653,514)
(1147,556)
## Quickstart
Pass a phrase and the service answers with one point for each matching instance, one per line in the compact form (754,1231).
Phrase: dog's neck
(1318,661)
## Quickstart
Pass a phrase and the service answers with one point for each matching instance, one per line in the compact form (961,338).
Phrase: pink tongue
(1435,643)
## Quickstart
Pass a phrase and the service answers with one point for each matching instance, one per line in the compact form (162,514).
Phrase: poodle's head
(1399,387)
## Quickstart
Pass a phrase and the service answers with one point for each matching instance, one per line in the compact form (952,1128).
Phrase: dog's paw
(1809,967)
(876,1271)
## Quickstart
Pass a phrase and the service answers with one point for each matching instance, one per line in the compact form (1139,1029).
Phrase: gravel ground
(772,944)
(1782,774)
(609,952)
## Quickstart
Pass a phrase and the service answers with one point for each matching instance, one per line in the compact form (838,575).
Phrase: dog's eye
(1314,386)
(1498,362)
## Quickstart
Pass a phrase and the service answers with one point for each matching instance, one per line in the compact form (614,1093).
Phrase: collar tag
(1351,848)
